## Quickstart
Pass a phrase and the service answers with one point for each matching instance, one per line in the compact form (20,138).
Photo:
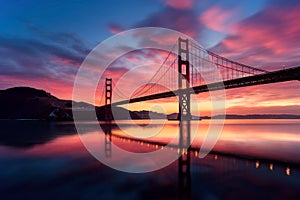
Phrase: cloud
(115,72)
(138,64)
(61,88)
(68,40)
(48,60)
(269,38)
(32,58)
(115,28)
(217,19)
(180,4)
(33,48)
(184,21)
(279,98)
(293,110)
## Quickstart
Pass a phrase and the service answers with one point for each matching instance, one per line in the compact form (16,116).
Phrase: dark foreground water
(253,159)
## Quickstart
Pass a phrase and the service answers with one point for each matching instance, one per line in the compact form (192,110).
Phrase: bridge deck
(265,78)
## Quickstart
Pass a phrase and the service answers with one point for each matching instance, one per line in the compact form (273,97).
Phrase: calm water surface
(253,159)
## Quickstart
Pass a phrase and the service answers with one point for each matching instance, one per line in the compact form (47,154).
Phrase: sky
(43,43)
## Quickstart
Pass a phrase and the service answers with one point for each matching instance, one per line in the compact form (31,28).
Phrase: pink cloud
(277,110)
(217,19)
(180,4)
(59,88)
(119,68)
(64,61)
(115,28)
(269,38)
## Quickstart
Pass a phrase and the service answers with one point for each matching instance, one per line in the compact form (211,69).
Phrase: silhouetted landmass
(27,103)
(174,116)
(30,103)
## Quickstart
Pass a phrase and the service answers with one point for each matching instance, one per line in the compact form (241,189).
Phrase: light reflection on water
(267,139)
(52,164)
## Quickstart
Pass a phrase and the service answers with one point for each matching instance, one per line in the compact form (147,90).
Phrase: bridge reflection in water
(51,166)
(183,149)
(184,161)
(224,161)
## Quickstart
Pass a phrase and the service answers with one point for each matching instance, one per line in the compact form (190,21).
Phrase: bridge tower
(184,79)
(184,116)
(108,96)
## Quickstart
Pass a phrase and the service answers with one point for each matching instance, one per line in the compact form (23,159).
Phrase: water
(253,159)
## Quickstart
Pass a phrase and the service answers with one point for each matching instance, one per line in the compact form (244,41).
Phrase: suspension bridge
(194,70)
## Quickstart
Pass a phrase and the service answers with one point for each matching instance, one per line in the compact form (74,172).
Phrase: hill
(31,103)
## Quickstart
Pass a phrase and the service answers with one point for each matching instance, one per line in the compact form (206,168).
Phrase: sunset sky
(43,43)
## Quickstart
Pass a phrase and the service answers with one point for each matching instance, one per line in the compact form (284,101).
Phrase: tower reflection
(184,161)
(107,127)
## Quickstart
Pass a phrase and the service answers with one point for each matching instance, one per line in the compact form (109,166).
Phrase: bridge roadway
(260,79)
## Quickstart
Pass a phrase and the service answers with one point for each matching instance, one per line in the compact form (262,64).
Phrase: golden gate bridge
(195,70)
(192,70)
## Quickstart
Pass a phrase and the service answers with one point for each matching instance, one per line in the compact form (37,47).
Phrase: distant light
(196,153)
(257,164)
(288,171)
(216,157)
(271,167)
